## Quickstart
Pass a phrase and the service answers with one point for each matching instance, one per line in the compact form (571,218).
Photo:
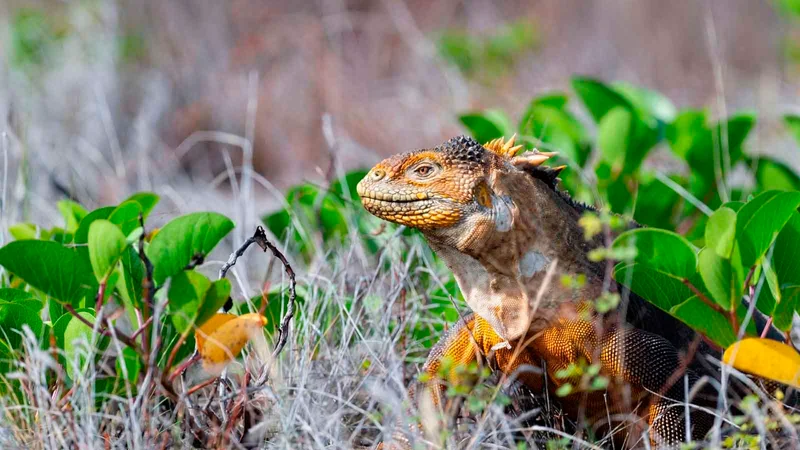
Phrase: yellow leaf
(227,341)
(765,358)
(209,327)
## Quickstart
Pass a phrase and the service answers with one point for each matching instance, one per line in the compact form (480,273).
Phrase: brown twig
(183,366)
(124,338)
(703,297)
(141,328)
(196,388)
(260,238)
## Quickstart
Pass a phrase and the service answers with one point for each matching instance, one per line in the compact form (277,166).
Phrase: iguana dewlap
(509,237)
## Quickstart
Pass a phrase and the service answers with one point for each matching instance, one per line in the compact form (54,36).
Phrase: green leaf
(658,204)
(598,97)
(613,136)
(72,212)
(193,298)
(215,298)
(649,104)
(692,139)
(74,331)
(58,271)
(133,273)
(182,239)
(82,234)
(720,278)
(760,220)
(126,215)
(786,267)
(488,125)
(146,200)
(663,261)
(792,122)
(771,174)
(662,250)
(721,232)
(22,231)
(17,308)
(106,246)
(660,289)
(706,320)
(783,314)
(186,294)
(133,364)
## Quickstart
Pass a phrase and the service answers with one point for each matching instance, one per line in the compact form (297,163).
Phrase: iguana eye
(424,171)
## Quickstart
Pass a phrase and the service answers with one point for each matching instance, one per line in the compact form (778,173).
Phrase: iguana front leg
(470,340)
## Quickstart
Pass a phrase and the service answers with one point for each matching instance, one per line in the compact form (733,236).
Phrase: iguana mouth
(382,200)
(393,198)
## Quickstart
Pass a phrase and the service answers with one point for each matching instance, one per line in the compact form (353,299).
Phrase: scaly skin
(509,236)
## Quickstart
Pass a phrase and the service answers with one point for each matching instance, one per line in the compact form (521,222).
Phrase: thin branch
(703,297)
(124,338)
(259,237)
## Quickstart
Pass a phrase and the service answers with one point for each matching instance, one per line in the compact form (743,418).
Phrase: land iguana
(509,235)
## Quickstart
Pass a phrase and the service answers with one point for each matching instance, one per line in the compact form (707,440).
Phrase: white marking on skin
(503,217)
(501,345)
(532,262)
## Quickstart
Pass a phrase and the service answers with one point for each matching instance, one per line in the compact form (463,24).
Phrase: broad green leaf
(598,97)
(22,231)
(193,299)
(133,364)
(17,308)
(649,104)
(697,142)
(72,212)
(658,204)
(786,266)
(792,122)
(760,220)
(58,271)
(614,135)
(126,215)
(82,234)
(75,331)
(660,289)
(783,314)
(146,200)
(106,246)
(133,273)
(555,128)
(215,298)
(487,125)
(765,358)
(662,250)
(706,320)
(771,174)
(720,278)
(721,232)
(182,239)
(187,290)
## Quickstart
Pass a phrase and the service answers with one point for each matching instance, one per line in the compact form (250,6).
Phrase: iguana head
(495,218)
(444,189)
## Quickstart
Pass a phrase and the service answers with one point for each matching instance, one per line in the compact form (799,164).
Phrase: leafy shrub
(710,244)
